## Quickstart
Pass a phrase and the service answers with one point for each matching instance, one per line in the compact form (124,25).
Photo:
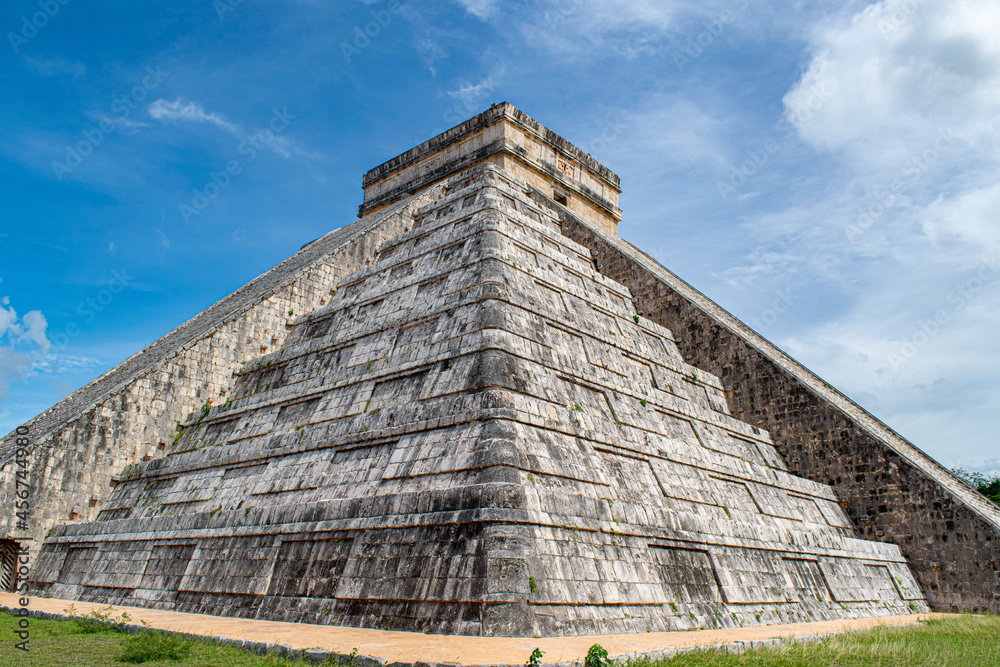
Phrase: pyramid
(478,435)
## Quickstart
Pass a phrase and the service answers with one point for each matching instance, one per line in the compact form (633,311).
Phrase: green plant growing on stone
(643,401)
(636,318)
(597,656)
(535,659)
(532,585)
(728,513)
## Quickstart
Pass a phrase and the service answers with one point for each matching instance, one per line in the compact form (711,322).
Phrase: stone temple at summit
(476,410)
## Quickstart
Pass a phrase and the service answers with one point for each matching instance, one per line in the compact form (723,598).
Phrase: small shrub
(153,647)
(597,656)
(532,585)
(97,620)
(535,658)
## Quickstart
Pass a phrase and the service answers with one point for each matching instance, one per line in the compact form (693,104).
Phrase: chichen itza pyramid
(476,410)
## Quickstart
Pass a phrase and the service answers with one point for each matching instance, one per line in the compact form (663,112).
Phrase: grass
(964,641)
(70,644)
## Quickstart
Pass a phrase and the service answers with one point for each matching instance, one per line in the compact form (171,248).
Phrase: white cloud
(900,102)
(17,335)
(900,70)
(162,109)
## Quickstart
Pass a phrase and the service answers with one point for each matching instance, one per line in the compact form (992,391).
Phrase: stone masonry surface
(131,413)
(891,490)
(479,434)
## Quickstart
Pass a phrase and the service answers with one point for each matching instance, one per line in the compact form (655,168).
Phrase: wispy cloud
(49,67)
(483,9)
(191,112)
(574,26)
(471,96)
(60,364)
(162,239)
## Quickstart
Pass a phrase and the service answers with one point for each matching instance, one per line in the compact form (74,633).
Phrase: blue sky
(827,171)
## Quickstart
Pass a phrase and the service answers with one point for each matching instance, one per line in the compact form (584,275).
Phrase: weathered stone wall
(132,412)
(505,136)
(892,491)
(478,435)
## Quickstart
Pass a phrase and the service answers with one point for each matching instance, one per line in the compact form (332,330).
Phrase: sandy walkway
(413,647)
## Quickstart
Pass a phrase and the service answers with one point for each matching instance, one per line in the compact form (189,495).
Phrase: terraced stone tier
(478,435)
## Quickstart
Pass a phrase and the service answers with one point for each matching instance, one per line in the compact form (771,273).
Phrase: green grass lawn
(65,643)
(964,641)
